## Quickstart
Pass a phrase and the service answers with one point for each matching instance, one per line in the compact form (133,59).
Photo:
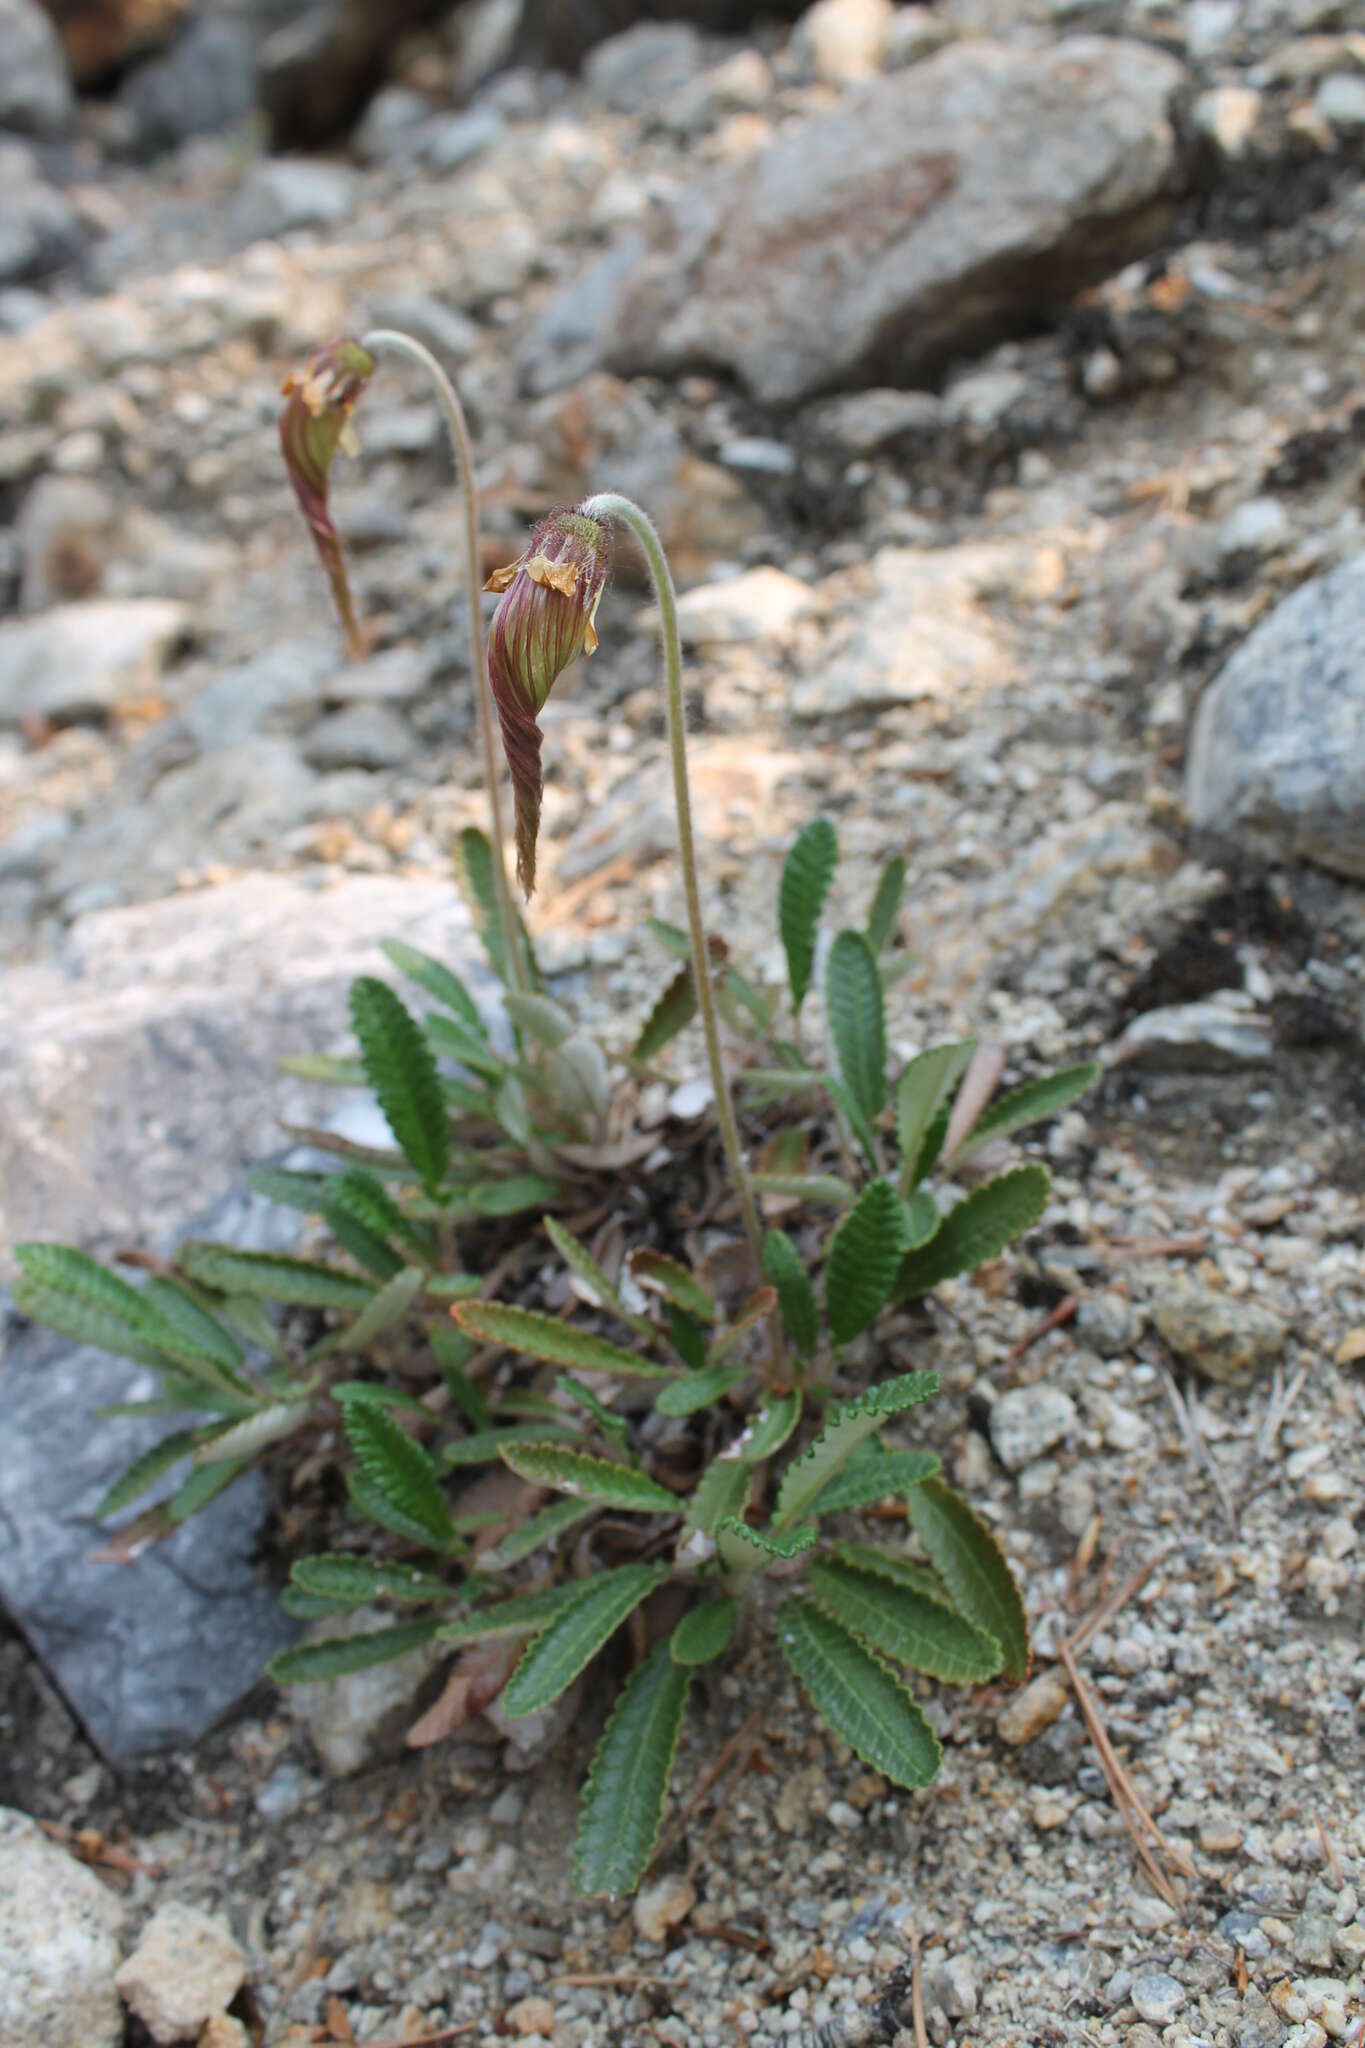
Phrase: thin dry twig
(917,1995)
(1281,1404)
(431,2040)
(1125,1794)
(1330,1856)
(1194,1442)
(1055,1320)
(744,1739)
(1158,1247)
(1117,1600)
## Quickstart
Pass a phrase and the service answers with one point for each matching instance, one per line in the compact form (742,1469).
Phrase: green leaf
(195,1333)
(863,1702)
(623,1800)
(881,919)
(849,1424)
(301,1606)
(614,1427)
(373,1253)
(922,1092)
(70,1293)
(581,1261)
(397,1468)
(864,1254)
(825,1188)
(699,1389)
(769,1428)
(353,1581)
(1027,1103)
(402,1072)
(540,1336)
(894,1565)
(453,1349)
(922,1215)
(301,1191)
(704,1632)
(688,1338)
(978,1228)
(672,1013)
(571,1639)
(850,1109)
(145,1471)
(742,1548)
(363,1197)
(542,1528)
(905,1626)
(806,876)
(519,1616)
(485,1445)
(446,1037)
(473,865)
(784,1269)
(671,937)
(254,1433)
(968,1558)
(322,1067)
(590,1478)
(437,980)
(204,1484)
(383,1393)
(301,1283)
(659,1274)
(373,1505)
(513,1196)
(866,1480)
(722,1490)
(540,1017)
(311,1663)
(389,1307)
(853,999)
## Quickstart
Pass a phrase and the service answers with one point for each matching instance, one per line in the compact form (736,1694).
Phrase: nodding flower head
(545,621)
(315,422)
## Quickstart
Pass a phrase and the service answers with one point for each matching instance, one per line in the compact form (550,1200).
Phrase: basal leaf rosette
(545,621)
(316,422)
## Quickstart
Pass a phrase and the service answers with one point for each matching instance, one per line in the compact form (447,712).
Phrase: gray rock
(352,1721)
(1026,1421)
(394,677)
(58,1945)
(82,660)
(274,688)
(1277,755)
(454,139)
(361,736)
(282,193)
(913,34)
(644,66)
(952,1985)
(1340,99)
(448,333)
(40,229)
(203,84)
(1156,1997)
(1222,1336)
(66,526)
(387,132)
(185,1969)
(840,42)
(36,97)
(1207,1038)
(939,208)
(572,336)
(868,420)
(1258,527)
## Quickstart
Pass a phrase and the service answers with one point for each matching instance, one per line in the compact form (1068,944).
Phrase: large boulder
(938,209)
(35,91)
(59,1931)
(1277,755)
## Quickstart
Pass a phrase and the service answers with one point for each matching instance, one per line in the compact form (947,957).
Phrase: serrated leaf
(849,1425)
(540,1336)
(513,1196)
(204,1484)
(922,1215)
(374,1254)
(70,1293)
(850,1109)
(853,1000)
(473,865)
(967,1557)
(301,1191)
(145,1471)
(612,1426)
(519,1616)
(354,1581)
(824,1188)
(722,1490)
(389,1306)
(590,1478)
(922,1092)
(448,1038)
(581,1261)
(905,1626)
(864,1254)
(886,903)
(978,1228)
(437,980)
(542,1528)
(300,1283)
(301,1606)
(383,1393)
(196,1332)
(254,1433)
(688,1339)
(784,1269)
(866,1480)
(397,1468)
(373,1506)
(1027,1103)
(699,1389)
(485,1445)
(402,1072)
(704,1632)
(623,1800)
(894,1565)
(672,1012)
(863,1702)
(806,876)
(453,1349)
(769,1429)
(364,1197)
(742,1548)
(312,1663)
(659,1274)
(571,1639)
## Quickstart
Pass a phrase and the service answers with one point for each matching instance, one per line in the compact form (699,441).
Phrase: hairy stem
(609,505)
(388,341)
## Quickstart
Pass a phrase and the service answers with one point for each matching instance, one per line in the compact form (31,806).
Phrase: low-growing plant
(711,1426)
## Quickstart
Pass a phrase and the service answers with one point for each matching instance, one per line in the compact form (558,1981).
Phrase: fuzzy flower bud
(545,621)
(315,422)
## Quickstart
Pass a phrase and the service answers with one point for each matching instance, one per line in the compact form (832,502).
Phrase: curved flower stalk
(315,423)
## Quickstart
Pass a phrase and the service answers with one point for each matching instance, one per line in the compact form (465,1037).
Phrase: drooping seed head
(314,424)
(546,619)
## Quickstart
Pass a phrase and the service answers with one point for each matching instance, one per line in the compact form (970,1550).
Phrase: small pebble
(1157,1997)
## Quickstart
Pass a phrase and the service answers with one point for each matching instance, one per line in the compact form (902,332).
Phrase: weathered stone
(764,604)
(1026,1421)
(361,736)
(1220,1335)
(204,83)
(58,1945)
(1277,755)
(941,208)
(67,527)
(843,41)
(1035,1708)
(354,1720)
(282,193)
(81,660)
(40,229)
(185,1969)
(1216,1037)
(35,90)
(645,66)
(662,1906)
